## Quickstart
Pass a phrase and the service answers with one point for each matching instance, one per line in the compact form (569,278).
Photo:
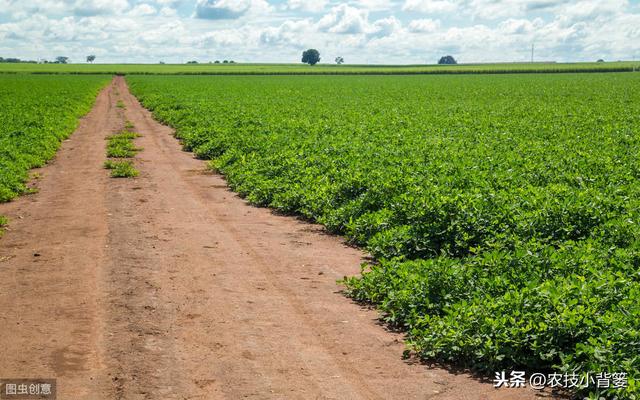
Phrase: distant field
(37,113)
(503,210)
(275,69)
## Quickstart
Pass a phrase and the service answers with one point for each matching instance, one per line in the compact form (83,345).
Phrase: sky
(360,31)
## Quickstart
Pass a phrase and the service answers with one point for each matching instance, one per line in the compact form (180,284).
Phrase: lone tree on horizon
(339,60)
(447,60)
(311,56)
(91,58)
(62,60)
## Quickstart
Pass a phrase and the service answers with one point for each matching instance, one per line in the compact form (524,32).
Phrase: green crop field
(275,69)
(502,210)
(37,113)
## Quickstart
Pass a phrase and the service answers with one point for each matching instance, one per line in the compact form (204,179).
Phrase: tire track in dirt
(52,258)
(169,286)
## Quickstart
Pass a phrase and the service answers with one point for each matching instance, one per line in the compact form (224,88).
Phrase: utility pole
(532,47)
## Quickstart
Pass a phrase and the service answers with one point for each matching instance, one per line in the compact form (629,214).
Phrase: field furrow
(502,210)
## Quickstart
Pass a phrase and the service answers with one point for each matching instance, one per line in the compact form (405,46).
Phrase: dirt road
(169,286)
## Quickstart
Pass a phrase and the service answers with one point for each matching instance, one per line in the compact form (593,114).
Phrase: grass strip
(121,169)
(121,145)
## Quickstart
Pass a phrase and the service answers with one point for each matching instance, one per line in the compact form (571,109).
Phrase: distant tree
(231,62)
(161,62)
(311,56)
(447,60)
(91,58)
(192,62)
(225,62)
(62,60)
(601,60)
(216,62)
(339,60)
(16,60)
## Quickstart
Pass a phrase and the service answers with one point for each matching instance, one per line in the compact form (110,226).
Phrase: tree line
(312,57)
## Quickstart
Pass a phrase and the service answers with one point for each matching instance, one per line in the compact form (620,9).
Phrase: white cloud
(99,7)
(223,37)
(229,9)
(374,5)
(164,34)
(430,6)
(590,9)
(385,27)
(495,9)
(424,25)
(168,12)
(306,5)
(142,10)
(542,5)
(289,33)
(577,9)
(23,9)
(169,3)
(514,26)
(410,31)
(221,9)
(345,19)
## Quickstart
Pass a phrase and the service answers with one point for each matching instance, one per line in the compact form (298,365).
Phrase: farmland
(320,69)
(502,210)
(38,112)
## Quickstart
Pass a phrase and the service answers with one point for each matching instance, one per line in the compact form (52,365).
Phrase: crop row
(38,112)
(320,69)
(502,210)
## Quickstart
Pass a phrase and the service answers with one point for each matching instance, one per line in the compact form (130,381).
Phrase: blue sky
(361,31)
